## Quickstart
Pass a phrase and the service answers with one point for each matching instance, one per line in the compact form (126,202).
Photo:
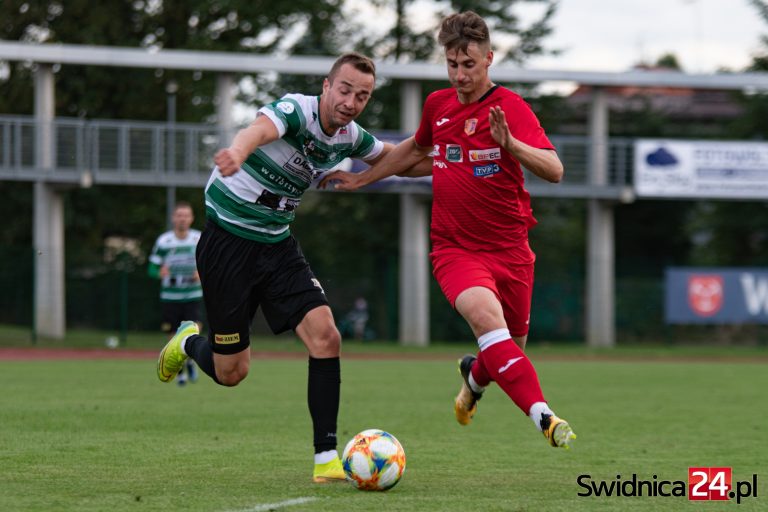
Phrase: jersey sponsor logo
(470,125)
(481,171)
(435,152)
(297,165)
(226,339)
(439,164)
(483,155)
(277,202)
(442,121)
(285,107)
(453,153)
(281,181)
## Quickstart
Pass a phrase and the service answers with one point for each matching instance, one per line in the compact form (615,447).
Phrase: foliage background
(351,240)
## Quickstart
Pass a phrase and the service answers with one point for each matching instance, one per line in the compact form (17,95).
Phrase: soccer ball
(373,460)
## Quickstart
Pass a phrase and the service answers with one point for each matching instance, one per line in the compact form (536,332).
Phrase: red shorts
(457,269)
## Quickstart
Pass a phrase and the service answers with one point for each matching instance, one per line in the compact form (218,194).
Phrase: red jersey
(479,199)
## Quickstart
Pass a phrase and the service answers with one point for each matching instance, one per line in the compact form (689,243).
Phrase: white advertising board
(701,169)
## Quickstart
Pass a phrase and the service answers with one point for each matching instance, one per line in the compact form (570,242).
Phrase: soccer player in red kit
(478,135)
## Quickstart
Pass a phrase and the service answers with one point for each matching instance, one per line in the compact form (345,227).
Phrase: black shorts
(173,313)
(239,275)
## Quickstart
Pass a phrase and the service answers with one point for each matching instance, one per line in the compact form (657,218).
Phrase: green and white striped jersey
(181,284)
(259,201)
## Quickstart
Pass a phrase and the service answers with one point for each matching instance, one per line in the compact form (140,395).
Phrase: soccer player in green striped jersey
(247,257)
(173,262)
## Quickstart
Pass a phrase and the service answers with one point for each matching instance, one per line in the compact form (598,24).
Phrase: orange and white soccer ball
(373,460)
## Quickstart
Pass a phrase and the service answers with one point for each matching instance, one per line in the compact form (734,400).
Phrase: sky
(613,35)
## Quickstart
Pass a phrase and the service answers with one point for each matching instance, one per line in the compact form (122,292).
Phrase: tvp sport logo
(703,484)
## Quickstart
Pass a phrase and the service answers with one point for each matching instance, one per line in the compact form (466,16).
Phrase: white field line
(274,506)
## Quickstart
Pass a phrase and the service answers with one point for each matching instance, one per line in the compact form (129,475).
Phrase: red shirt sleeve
(524,125)
(423,136)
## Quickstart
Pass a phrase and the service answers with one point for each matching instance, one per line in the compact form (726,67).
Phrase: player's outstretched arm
(544,163)
(260,132)
(422,168)
(403,157)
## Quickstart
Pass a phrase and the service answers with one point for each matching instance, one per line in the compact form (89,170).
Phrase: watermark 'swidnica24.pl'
(703,484)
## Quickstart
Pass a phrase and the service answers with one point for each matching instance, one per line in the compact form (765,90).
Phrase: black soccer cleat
(465,405)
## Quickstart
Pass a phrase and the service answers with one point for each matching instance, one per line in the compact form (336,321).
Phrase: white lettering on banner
(755,293)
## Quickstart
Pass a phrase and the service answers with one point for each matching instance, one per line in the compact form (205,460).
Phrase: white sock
(477,388)
(325,457)
(183,345)
(537,410)
(492,338)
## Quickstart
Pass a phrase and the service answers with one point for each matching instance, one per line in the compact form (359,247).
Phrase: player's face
(468,71)
(182,219)
(345,98)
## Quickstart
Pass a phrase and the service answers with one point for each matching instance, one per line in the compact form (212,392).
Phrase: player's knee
(482,320)
(231,376)
(328,342)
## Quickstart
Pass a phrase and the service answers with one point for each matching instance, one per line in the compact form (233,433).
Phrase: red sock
(507,364)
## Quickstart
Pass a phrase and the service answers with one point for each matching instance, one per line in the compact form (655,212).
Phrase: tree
(728,232)
(669,61)
(335,229)
(261,26)
(97,92)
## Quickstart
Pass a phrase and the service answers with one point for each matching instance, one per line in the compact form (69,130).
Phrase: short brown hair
(357,60)
(457,31)
(183,204)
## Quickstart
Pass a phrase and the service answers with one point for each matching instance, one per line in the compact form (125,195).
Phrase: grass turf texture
(106,435)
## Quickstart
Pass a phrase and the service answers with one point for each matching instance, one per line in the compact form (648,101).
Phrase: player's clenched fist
(341,180)
(228,161)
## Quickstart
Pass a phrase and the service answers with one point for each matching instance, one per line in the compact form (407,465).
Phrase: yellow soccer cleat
(557,431)
(465,405)
(329,472)
(171,360)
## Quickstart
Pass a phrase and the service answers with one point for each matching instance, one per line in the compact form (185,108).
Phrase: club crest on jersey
(285,107)
(435,151)
(481,171)
(470,125)
(453,153)
(484,155)
(343,130)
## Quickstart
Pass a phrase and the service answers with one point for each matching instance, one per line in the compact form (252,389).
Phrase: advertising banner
(701,169)
(716,295)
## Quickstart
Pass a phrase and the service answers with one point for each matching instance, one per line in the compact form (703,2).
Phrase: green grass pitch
(107,436)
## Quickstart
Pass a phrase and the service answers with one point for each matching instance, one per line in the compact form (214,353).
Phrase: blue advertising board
(700,295)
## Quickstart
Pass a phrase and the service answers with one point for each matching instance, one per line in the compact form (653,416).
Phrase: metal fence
(109,152)
(158,153)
